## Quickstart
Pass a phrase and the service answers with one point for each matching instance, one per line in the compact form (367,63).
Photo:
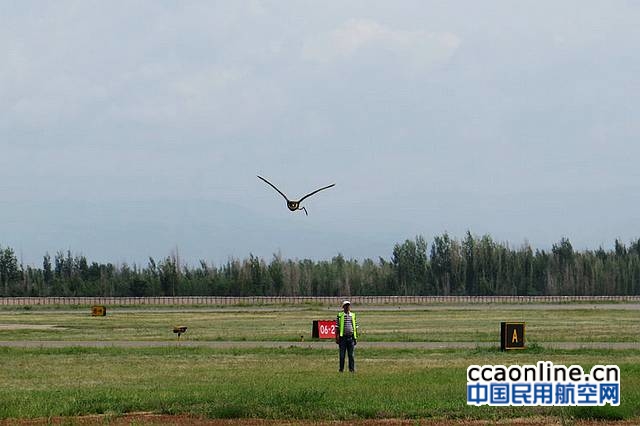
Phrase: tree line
(474,265)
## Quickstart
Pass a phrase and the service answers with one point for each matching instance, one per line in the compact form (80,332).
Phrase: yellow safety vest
(341,324)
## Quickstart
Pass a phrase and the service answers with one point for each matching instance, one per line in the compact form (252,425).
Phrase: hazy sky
(128,129)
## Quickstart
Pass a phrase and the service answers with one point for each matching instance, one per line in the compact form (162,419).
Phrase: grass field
(470,323)
(294,382)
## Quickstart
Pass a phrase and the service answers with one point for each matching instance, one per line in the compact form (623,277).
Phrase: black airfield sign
(511,335)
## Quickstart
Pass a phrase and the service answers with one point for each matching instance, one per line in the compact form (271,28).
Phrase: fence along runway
(301,300)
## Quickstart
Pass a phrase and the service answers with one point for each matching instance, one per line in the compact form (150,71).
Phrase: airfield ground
(62,366)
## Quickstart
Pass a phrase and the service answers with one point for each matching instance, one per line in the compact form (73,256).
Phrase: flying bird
(292,204)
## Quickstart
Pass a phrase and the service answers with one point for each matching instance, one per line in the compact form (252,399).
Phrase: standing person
(347,335)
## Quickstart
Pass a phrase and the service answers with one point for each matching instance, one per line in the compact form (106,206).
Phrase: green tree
(441,265)
(410,265)
(10,275)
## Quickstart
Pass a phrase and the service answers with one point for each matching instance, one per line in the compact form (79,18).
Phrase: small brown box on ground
(98,311)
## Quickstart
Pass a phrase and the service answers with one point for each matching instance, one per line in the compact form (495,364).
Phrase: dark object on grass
(180,329)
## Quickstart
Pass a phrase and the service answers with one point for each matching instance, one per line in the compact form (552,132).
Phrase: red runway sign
(324,329)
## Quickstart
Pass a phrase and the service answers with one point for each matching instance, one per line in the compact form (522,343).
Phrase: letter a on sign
(512,335)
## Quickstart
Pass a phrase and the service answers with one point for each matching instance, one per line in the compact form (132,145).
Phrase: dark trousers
(347,343)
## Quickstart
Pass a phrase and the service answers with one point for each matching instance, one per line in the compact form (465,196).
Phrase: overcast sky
(130,129)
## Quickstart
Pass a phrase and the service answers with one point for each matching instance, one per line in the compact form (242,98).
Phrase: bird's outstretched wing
(274,187)
(317,190)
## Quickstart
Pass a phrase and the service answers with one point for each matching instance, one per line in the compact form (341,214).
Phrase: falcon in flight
(294,205)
